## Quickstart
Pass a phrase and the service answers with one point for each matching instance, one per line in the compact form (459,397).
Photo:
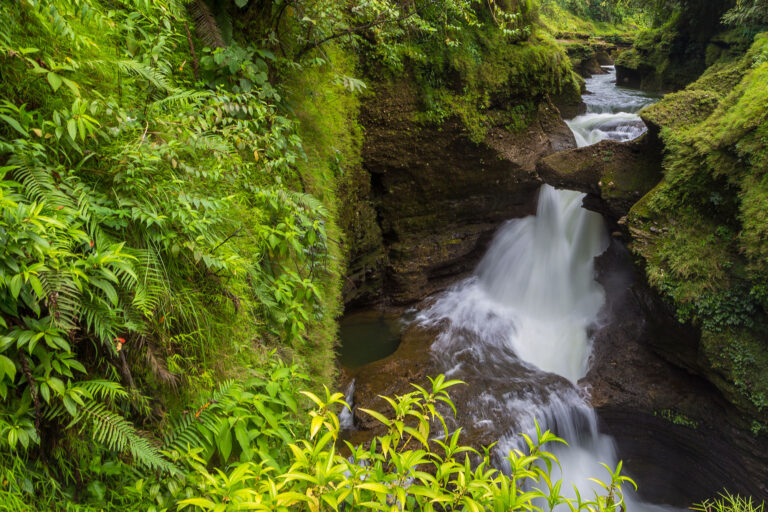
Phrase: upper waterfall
(611,111)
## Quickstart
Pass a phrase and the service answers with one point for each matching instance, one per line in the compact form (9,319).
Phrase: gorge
(531,333)
(312,255)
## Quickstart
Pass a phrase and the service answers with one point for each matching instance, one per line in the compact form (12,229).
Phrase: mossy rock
(702,232)
(669,57)
(619,174)
(682,109)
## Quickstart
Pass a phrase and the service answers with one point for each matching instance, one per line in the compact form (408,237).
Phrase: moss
(332,140)
(671,56)
(677,418)
(567,25)
(486,72)
(682,109)
(629,59)
(702,230)
(739,357)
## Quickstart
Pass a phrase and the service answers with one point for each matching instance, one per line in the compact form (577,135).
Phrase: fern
(64,299)
(188,430)
(185,99)
(118,434)
(206,27)
(39,184)
(104,389)
(135,68)
(151,287)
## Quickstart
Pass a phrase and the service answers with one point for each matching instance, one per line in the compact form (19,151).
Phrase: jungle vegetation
(176,178)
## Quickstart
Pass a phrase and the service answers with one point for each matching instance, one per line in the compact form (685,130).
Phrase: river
(528,310)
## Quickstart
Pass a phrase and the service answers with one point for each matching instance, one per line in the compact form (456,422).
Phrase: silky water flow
(527,313)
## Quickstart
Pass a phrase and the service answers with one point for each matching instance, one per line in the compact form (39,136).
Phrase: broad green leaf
(72,129)
(14,124)
(197,502)
(7,367)
(54,80)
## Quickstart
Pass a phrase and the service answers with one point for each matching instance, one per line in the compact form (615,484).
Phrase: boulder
(615,174)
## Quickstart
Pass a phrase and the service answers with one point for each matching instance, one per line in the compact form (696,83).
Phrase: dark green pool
(367,336)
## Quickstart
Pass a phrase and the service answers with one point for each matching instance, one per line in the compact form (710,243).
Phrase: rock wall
(438,195)
(668,422)
(673,55)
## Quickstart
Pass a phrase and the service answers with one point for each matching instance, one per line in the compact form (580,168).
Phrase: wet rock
(671,57)
(615,174)
(438,195)
(480,410)
(682,440)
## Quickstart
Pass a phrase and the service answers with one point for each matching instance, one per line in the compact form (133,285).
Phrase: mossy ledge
(701,231)
(673,54)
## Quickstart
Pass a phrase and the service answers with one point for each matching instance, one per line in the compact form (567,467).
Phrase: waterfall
(611,111)
(526,314)
(534,296)
(346,419)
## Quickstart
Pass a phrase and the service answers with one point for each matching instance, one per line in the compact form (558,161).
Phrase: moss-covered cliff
(450,145)
(684,42)
(702,230)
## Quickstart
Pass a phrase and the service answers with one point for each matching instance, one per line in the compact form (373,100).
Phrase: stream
(522,323)
(532,303)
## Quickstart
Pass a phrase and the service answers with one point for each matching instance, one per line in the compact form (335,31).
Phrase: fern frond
(206,27)
(104,389)
(307,202)
(196,429)
(101,319)
(39,184)
(151,287)
(138,69)
(185,98)
(63,297)
(118,434)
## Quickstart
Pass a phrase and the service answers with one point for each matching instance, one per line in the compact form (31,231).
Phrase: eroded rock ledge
(438,195)
(615,174)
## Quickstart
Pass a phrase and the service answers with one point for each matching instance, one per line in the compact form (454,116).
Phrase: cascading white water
(529,308)
(542,269)
(611,111)
(534,295)
(346,419)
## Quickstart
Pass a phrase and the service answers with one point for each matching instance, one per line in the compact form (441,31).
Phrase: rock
(665,419)
(589,54)
(670,57)
(414,362)
(615,174)
(668,423)
(438,195)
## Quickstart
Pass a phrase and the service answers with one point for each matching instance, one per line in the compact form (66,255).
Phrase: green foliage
(245,449)
(415,465)
(146,217)
(728,502)
(748,12)
(677,418)
(702,229)
(684,38)
(487,81)
(600,15)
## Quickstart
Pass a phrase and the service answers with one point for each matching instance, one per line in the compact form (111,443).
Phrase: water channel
(528,310)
